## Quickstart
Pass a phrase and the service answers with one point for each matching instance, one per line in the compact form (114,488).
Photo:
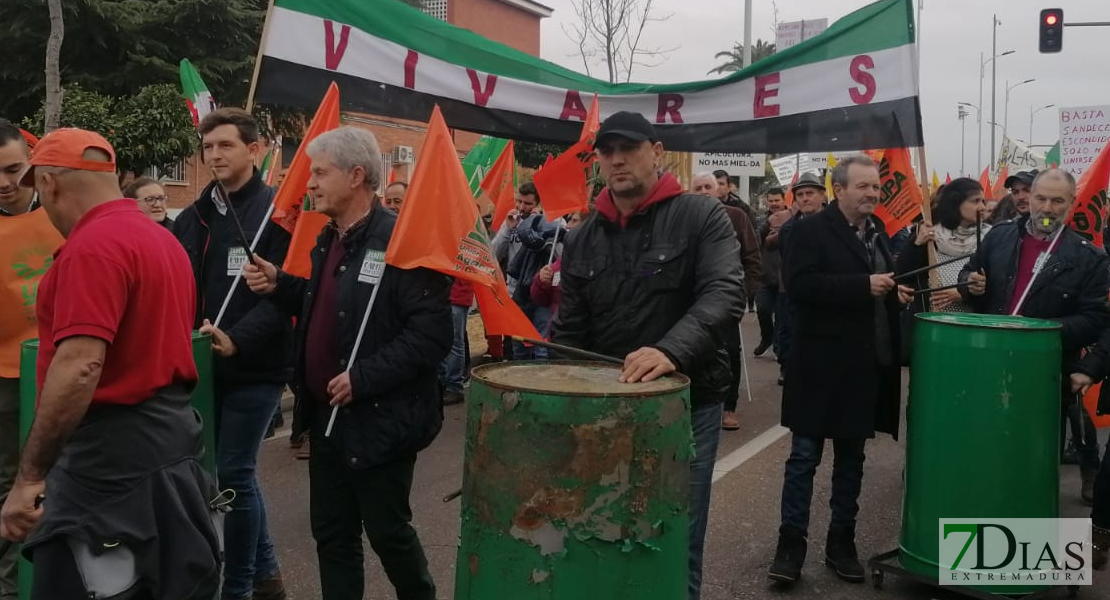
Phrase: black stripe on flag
(867,126)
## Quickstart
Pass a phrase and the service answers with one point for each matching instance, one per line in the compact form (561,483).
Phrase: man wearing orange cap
(112,457)
(29,244)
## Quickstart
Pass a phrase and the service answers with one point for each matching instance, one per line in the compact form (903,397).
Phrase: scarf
(959,241)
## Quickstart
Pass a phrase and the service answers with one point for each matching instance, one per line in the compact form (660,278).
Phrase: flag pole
(744,362)
(554,243)
(258,58)
(927,214)
(239,275)
(354,350)
(1038,267)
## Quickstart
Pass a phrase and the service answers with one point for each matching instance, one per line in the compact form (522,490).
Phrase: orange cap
(64,148)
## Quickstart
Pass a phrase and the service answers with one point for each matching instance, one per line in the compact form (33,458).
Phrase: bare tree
(610,33)
(53,66)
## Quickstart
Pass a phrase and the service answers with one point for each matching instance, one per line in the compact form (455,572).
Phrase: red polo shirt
(122,278)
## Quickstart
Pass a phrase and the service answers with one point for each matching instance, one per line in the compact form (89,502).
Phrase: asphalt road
(743,518)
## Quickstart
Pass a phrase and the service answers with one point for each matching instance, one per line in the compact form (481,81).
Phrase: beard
(1045,223)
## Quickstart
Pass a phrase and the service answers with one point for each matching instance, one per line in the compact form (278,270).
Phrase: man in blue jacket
(251,338)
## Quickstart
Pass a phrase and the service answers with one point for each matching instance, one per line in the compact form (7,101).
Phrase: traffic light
(1052,29)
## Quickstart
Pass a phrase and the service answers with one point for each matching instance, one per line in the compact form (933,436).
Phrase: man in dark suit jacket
(839,274)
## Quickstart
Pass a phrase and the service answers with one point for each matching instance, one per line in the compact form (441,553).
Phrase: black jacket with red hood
(667,276)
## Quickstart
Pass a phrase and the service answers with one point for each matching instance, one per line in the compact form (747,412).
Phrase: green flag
(1052,159)
(197,96)
(480,160)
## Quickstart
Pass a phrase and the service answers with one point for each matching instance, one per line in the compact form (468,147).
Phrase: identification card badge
(556,278)
(236,258)
(372,267)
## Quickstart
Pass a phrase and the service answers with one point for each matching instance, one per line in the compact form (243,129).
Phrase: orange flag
(1090,402)
(292,207)
(440,229)
(999,189)
(790,191)
(985,181)
(1087,216)
(499,184)
(901,195)
(562,182)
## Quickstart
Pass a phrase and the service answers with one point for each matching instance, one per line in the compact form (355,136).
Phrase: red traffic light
(1051,19)
(1051,30)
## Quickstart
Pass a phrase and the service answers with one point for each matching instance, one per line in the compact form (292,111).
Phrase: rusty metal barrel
(574,485)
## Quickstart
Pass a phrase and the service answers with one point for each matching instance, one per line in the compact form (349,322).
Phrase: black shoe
(452,397)
(840,555)
(761,349)
(789,556)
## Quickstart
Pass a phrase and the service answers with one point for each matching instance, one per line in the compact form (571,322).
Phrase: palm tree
(735,57)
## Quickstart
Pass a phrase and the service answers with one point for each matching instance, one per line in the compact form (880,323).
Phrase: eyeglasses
(152,200)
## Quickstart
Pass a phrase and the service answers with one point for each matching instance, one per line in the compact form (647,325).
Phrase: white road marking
(741,455)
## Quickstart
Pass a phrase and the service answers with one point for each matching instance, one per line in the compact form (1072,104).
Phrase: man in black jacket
(655,277)
(251,338)
(1012,271)
(843,376)
(387,397)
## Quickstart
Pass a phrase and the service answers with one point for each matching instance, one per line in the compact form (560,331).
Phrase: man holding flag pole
(251,338)
(1038,266)
(367,392)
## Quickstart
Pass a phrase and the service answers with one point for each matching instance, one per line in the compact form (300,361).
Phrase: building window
(175,173)
(436,8)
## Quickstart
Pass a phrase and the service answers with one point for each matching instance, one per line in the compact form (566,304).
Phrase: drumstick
(930,267)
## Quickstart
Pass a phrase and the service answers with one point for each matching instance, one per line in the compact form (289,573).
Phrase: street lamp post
(962,115)
(1006,112)
(994,74)
(979,121)
(1031,113)
(745,183)
(979,118)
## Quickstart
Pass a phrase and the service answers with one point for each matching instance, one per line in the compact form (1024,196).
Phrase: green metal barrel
(574,485)
(983,423)
(202,400)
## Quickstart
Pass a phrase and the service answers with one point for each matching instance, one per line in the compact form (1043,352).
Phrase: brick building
(515,23)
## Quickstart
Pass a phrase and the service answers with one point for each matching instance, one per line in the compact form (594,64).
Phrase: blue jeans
(706,423)
(540,316)
(797,484)
(452,371)
(245,413)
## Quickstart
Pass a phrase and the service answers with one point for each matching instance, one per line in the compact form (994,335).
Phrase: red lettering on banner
(669,105)
(573,107)
(481,97)
(410,69)
(862,77)
(333,52)
(763,93)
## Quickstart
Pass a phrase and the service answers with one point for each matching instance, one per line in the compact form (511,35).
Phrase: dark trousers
(1083,433)
(344,503)
(1100,512)
(797,484)
(733,344)
(765,300)
(56,575)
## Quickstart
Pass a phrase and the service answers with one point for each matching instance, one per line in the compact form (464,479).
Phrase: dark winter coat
(834,385)
(1071,289)
(668,277)
(261,332)
(397,409)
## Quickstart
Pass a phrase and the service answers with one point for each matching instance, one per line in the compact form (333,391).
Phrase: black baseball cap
(627,125)
(1025,177)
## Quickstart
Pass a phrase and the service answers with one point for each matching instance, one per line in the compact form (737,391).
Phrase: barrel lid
(573,378)
(989,321)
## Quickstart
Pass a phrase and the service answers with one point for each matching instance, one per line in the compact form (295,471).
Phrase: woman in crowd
(545,287)
(151,198)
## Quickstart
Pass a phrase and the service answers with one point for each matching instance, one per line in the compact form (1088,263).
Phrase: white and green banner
(854,86)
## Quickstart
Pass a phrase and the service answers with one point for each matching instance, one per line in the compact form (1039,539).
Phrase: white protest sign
(1084,131)
(1016,156)
(796,32)
(787,166)
(821,160)
(742,165)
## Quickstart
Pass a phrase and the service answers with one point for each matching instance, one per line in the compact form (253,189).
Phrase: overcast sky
(952,35)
